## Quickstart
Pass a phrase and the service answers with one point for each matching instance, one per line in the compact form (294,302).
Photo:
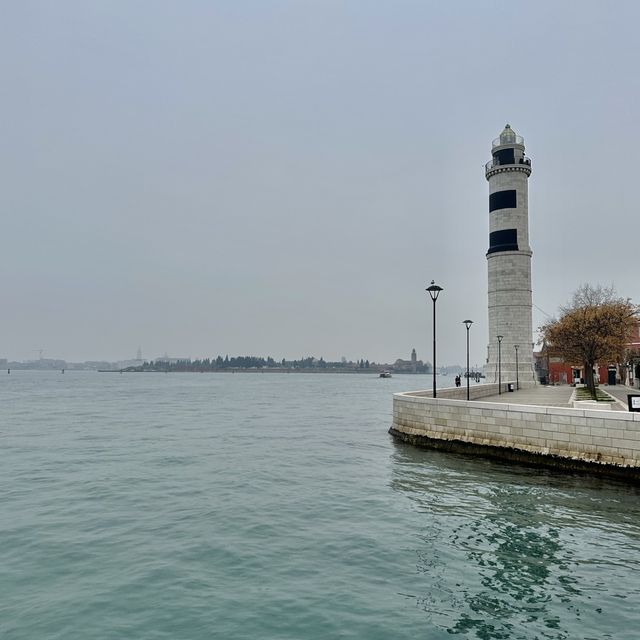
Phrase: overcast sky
(285,178)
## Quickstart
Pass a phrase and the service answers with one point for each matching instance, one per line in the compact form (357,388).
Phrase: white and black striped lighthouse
(509,262)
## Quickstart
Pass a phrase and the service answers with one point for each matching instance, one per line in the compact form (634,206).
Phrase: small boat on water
(385,374)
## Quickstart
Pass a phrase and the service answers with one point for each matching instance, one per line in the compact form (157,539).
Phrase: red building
(553,369)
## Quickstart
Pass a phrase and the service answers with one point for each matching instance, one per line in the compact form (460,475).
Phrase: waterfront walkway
(559,396)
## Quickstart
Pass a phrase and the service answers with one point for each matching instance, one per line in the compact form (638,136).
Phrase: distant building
(633,351)
(41,363)
(551,368)
(409,366)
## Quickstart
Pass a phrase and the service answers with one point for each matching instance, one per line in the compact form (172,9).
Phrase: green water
(274,506)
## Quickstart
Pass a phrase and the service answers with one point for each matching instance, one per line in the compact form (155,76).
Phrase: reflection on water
(516,552)
(515,555)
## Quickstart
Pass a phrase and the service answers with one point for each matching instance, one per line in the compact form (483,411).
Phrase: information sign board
(634,402)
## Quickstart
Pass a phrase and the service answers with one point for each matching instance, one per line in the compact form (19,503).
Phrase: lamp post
(434,291)
(467,323)
(500,365)
(515,346)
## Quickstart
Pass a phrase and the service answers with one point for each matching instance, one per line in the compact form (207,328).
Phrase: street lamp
(434,291)
(500,365)
(515,346)
(467,323)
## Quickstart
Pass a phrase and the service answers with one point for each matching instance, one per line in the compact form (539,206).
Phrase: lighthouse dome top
(507,137)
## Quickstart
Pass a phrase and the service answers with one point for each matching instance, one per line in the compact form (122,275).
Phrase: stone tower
(509,261)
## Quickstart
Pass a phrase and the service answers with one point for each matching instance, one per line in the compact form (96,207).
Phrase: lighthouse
(509,263)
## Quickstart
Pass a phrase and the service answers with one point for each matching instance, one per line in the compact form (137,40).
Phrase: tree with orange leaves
(594,327)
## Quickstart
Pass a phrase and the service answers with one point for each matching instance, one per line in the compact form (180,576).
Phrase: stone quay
(512,427)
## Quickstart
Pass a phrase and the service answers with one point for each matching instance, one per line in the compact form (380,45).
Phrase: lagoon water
(275,506)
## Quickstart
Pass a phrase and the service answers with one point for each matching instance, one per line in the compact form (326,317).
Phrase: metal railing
(496,163)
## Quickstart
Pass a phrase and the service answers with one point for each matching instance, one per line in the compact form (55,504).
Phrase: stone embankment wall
(600,441)
(460,393)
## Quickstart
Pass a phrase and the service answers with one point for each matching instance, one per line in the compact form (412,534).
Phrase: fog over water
(285,178)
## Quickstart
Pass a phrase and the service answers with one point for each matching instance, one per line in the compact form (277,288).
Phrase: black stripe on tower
(503,240)
(502,200)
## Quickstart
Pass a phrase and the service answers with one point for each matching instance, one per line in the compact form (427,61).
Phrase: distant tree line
(250,362)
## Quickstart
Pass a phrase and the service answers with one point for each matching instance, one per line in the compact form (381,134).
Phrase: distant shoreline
(268,370)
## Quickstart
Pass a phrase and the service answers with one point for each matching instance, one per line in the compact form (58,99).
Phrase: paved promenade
(559,396)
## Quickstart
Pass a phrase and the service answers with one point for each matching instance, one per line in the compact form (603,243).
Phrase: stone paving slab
(620,391)
(559,396)
(540,395)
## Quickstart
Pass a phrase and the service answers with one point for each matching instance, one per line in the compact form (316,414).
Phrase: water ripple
(276,507)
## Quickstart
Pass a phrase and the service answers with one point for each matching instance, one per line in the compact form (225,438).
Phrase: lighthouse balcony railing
(496,163)
(508,139)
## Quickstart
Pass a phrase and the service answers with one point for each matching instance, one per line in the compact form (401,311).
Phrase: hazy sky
(286,177)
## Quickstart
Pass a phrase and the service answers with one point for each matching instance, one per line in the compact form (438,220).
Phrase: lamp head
(500,338)
(434,290)
(467,323)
